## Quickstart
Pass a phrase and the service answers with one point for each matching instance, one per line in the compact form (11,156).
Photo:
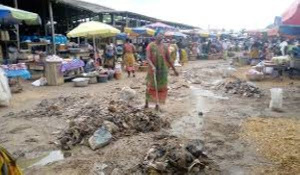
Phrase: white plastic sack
(5,94)
(127,94)
(254,75)
(40,82)
(276,99)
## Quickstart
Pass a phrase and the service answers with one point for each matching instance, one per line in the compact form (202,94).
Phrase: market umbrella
(175,34)
(122,36)
(139,31)
(161,26)
(93,29)
(10,15)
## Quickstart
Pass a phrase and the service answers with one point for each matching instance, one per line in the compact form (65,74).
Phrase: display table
(16,71)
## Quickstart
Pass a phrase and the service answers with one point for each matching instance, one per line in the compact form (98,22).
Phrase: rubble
(242,88)
(174,157)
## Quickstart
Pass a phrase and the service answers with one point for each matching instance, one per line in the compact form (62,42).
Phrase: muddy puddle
(42,159)
(201,102)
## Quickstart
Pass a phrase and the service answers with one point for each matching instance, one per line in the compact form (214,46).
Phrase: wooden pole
(17,27)
(95,49)
(52,26)
(127,20)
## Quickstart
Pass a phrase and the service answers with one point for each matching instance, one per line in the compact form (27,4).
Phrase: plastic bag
(5,94)
(254,75)
(276,99)
(40,82)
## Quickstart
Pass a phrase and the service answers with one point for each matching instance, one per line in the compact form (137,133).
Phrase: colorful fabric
(71,65)
(16,71)
(173,52)
(184,57)
(129,61)
(25,74)
(157,55)
(129,58)
(8,164)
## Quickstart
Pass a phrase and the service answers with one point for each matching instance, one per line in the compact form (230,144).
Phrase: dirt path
(194,110)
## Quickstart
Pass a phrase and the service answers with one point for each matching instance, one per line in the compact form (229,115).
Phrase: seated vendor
(89,64)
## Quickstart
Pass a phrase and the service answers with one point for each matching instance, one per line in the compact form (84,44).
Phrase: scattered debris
(117,118)
(175,158)
(243,88)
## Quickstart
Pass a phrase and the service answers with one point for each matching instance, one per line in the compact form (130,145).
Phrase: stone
(100,138)
(110,126)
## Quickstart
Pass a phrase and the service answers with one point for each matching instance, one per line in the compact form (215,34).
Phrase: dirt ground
(195,110)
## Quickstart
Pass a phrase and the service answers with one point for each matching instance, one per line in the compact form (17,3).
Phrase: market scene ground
(238,134)
(87,89)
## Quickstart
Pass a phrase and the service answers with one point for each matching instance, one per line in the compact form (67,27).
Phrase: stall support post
(95,49)
(113,21)
(127,21)
(52,26)
(17,27)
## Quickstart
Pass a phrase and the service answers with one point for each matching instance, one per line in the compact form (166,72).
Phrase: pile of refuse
(56,107)
(243,88)
(97,126)
(174,157)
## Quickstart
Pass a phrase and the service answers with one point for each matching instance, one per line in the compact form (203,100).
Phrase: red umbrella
(292,15)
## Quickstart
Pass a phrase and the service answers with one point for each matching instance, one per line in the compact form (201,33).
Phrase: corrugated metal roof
(96,8)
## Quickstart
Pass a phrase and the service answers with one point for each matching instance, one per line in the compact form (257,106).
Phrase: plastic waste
(40,82)
(276,99)
(254,75)
(127,94)
(100,138)
(5,94)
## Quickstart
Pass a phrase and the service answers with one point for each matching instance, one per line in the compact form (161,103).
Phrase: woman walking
(157,79)
(129,58)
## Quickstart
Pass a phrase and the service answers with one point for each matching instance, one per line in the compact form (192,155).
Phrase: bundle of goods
(254,75)
(118,71)
(53,58)
(281,60)
(5,94)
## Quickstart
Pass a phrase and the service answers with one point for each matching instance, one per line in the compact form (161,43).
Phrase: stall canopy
(139,31)
(292,15)
(160,26)
(93,29)
(175,34)
(10,15)
(291,20)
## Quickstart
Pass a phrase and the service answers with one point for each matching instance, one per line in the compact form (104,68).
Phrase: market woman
(129,58)
(157,78)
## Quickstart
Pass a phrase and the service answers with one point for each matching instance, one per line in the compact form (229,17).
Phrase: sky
(227,14)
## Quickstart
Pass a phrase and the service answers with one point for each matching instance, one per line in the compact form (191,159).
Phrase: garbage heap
(175,157)
(98,126)
(243,88)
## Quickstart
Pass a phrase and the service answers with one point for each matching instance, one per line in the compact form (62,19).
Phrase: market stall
(95,30)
